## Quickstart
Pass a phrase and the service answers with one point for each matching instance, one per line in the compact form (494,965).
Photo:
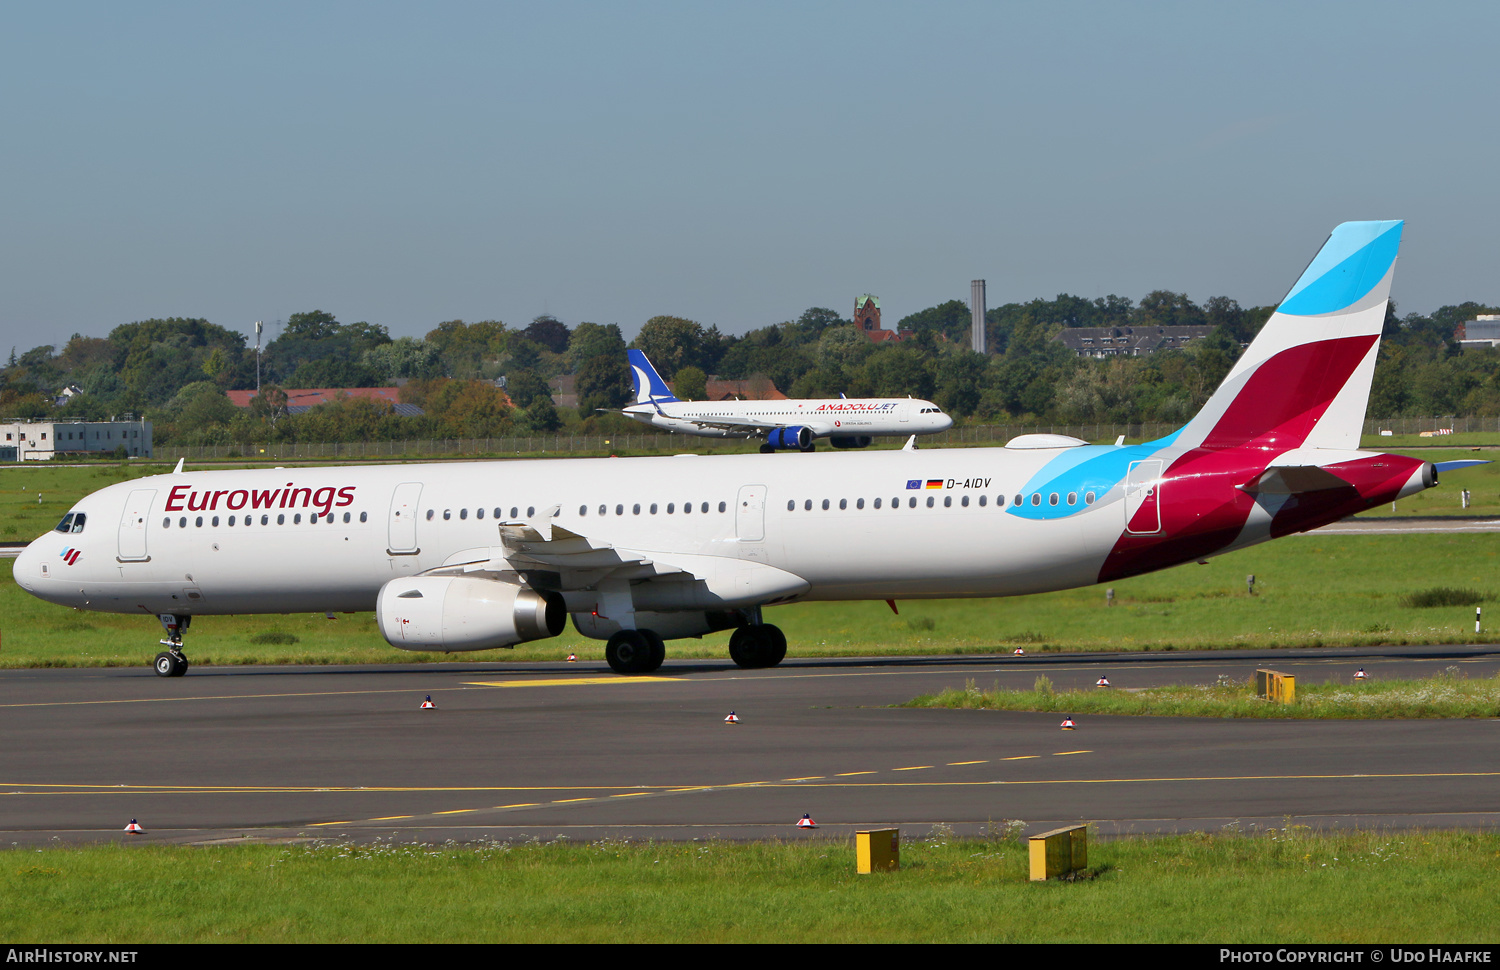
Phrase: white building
(42,440)
(1482,331)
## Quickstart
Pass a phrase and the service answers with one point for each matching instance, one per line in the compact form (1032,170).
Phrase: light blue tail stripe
(1355,258)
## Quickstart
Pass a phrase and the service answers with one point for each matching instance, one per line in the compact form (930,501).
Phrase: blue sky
(734,164)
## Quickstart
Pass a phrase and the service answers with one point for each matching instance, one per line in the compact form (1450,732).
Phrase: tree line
(175,371)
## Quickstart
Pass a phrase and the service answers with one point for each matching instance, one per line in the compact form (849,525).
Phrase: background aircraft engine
(796,436)
(460,613)
(850,441)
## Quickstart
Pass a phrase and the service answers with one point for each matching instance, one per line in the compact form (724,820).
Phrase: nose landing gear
(170,662)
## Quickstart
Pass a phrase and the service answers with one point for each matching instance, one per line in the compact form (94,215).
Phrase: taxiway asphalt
(516,751)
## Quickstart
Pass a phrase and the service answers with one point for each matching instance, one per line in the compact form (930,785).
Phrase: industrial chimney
(977,308)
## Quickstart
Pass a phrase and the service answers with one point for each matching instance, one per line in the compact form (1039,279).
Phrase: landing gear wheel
(169,664)
(658,650)
(757,646)
(632,652)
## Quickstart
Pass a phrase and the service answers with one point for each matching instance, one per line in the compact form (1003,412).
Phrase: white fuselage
(824,418)
(863,525)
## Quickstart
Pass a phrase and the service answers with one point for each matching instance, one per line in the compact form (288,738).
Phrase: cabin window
(825,505)
(530,511)
(1036,498)
(346,516)
(984,500)
(1072,498)
(635,509)
(265,520)
(281,518)
(583,510)
(297,519)
(363,516)
(877,503)
(499,514)
(1020,500)
(619,510)
(843,504)
(430,514)
(463,513)
(947,501)
(687,507)
(931,501)
(791,505)
(859,504)
(447,514)
(965,502)
(1052,499)
(671,507)
(1088,498)
(231,520)
(199,522)
(515,513)
(167,522)
(653,508)
(911,503)
(182,522)
(722,507)
(216,522)
(807,506)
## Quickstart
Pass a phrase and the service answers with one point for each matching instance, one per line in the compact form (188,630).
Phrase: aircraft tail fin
(649,387)
(1305,379)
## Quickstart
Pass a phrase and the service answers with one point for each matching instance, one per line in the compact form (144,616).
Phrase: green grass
(1310,591)
(1286,885)
(1450,695)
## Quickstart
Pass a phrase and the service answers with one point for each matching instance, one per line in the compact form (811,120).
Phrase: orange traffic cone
(732,718)
(1067,724)
(134,828)
(806,822)
(427,705)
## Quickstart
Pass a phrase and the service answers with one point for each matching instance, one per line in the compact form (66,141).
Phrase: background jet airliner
(846,422)
(468,556)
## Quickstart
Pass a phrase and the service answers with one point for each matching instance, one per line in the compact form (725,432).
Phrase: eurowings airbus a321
(784,424)
(469,556)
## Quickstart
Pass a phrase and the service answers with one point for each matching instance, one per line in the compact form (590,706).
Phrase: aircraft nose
(24,568)
(944,422)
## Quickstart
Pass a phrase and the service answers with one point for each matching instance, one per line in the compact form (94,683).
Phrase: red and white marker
(572,657)
(1067,724)
(1018,652)
(1360,674)
(1102,682)
(806,822)
(732,718)
(135,828)
(427,705)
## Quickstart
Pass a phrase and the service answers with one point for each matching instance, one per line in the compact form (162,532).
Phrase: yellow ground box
(1275,686)
(877,850)
(1059,852)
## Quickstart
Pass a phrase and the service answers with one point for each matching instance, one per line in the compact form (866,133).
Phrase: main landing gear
(635,652)
(762,645)
(170,662)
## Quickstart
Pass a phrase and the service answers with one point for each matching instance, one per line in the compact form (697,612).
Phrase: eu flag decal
(914,483)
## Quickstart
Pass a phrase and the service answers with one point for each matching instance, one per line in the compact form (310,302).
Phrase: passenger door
(402,540)
(133,525)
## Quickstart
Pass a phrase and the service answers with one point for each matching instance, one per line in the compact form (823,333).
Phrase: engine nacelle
(850,441)
(462,613)
(668,626)
(796,436)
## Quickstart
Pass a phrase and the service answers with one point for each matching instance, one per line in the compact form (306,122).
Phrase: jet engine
(850,441)
(796,436)
(463,613)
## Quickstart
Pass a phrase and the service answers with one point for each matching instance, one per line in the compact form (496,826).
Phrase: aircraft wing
(546,555)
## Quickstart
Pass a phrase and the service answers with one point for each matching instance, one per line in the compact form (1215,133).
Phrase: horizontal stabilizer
(1453,466)
(1293,480)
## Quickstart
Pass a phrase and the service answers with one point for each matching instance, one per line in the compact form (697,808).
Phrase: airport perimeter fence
(666,444)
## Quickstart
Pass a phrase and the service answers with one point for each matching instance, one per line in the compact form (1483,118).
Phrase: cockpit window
(66,525)
(78,520)
(72,522)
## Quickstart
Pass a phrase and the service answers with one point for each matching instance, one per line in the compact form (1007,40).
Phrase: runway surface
(548,750)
